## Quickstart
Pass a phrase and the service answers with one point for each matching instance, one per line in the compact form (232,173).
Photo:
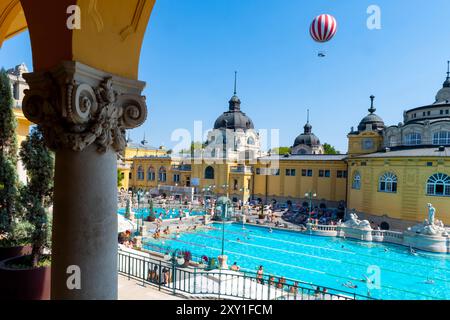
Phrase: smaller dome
(309,139)
(372,119)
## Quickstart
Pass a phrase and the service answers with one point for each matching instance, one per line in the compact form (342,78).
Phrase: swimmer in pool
(350,285)
(429,281)
(412,251)
(270,230)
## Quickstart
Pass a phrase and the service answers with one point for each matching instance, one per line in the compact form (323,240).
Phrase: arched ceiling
(12,19)
(110,37)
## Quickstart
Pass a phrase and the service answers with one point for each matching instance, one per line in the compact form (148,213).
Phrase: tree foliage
(8,158)
(329,149)
(281,150)
(37,195)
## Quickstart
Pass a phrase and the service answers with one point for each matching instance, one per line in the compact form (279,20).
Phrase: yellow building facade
(388,176)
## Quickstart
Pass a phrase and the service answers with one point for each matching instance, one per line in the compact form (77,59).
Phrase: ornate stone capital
(77,105)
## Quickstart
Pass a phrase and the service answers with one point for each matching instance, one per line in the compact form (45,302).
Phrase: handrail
(222,283)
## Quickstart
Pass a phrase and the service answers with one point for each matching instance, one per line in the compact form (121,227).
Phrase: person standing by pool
(259,275)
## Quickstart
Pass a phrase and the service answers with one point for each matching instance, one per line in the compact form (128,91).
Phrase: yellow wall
(355,142)
(294,187)
(410,200)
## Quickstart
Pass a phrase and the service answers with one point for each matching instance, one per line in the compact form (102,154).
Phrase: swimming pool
(325,261)
(169,214)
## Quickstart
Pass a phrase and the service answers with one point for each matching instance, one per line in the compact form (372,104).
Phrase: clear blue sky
(192,48)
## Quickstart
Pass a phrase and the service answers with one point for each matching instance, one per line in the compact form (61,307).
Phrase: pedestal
(223,261)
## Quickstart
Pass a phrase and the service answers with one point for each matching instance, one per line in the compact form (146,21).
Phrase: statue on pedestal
(431,226)
(431,214)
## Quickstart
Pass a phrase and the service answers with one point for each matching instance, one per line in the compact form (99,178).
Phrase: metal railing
(221,284)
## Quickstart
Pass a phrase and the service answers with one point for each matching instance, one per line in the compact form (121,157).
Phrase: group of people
(154,276)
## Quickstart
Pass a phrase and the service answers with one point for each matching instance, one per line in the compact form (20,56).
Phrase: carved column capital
(77,106)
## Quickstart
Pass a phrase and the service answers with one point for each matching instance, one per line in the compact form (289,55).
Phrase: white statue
(430,226)
(431,214)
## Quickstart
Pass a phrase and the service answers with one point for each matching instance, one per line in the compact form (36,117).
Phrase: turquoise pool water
(165,214)
(324,261)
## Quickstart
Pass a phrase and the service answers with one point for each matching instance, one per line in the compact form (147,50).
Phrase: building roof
(139,146)
(416,152)
(305,157)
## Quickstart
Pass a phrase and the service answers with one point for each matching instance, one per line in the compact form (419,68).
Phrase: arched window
(209,173)
(140,173)
(162,174)
(441,138)
(413,139)
(388,183)
(250,141)
(356,184)
(151,175)
(438,185)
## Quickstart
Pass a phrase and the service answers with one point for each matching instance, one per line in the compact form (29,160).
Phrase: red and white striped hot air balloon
(323,28)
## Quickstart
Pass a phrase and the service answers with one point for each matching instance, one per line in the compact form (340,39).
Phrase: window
(446,112)
(16,91)
(356,184)
(341,174)
(438,185)
(235,185)
(276,172)
(441,138)
(307,173)
(130,176)
(388,183)
(250,141)
(290,172)
(429,164)
(151,175)
(258,171)
(176,177)
(413,139)
(324,173)
(209,173)
(162,174)
(140,173)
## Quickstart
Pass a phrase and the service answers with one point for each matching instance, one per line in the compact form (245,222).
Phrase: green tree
(38,193)
(281,150)
(329,149)
(8,157)
(128,210)
(120,178)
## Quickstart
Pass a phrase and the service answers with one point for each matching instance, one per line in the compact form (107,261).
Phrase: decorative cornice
(77,105)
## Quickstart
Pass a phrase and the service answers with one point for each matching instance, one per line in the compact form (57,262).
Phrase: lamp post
(139,194)
(177,261)
(310,195)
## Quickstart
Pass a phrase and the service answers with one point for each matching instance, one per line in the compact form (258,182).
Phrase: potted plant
(28,277)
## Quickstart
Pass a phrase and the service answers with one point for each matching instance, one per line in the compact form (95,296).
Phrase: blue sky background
(192,48)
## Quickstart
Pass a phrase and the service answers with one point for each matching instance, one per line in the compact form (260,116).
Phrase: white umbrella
(125,224)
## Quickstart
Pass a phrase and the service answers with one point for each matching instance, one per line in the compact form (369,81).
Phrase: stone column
(84,113)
